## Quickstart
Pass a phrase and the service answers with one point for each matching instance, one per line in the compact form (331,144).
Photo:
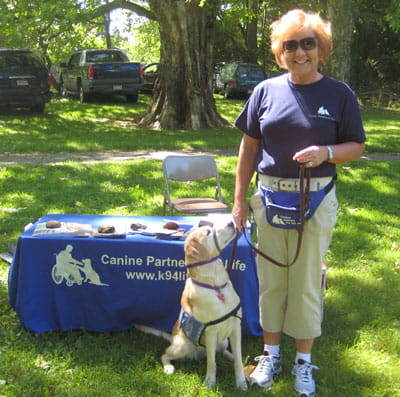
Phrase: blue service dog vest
(194,329)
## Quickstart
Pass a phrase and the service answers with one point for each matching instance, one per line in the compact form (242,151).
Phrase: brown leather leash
(233,254)
(304,206)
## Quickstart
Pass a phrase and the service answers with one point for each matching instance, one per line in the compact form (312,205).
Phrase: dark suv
(24,80)
(237,79)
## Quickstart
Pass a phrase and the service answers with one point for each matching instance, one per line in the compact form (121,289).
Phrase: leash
(304,206)
(232,258)
(233,254)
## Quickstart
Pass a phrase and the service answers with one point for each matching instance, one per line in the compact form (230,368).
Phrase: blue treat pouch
(282,209)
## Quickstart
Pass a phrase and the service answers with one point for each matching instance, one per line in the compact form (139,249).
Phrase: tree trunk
(183,96)
(251,33)
(339,12)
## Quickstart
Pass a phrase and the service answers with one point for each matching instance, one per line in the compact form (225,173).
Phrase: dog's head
(207,241)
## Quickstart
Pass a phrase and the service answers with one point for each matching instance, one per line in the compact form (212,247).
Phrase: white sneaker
(267,367)
(304,383)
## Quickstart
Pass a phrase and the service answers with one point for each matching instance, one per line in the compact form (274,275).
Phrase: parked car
(237,78)
(104,72)
(24,80)
(150,75)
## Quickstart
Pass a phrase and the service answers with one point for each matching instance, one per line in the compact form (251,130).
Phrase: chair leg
(164,206)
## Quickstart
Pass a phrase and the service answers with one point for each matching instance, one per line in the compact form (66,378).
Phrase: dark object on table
(137,226)
(106,229)
(53,224)
(171,226)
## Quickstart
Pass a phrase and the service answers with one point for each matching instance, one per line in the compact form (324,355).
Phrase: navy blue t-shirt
(288,117)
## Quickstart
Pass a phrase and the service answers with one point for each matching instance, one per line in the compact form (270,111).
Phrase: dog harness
(191,327)
(194,329)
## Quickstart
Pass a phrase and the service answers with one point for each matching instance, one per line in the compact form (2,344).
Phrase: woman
(300,117)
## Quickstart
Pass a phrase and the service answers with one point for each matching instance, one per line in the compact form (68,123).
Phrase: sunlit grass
(69,126)
(360,348)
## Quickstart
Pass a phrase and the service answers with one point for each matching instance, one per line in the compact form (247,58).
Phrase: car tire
(227,93)
(62,90)
(83,96)
(133,98)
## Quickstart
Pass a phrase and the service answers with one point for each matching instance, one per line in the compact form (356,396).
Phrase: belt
(292,184)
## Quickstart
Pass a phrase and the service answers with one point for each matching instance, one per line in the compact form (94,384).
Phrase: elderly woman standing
(300,117)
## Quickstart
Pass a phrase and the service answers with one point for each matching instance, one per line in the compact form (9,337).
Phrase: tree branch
(113,5)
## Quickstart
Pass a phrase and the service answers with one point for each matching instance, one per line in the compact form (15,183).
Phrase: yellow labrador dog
(211,311)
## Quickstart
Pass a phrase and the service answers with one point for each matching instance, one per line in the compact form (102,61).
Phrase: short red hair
(295,20)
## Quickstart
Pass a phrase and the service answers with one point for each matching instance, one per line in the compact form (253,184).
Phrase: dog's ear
(191,247)
(195,248)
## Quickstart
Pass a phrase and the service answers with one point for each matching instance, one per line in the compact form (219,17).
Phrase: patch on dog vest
(192,328)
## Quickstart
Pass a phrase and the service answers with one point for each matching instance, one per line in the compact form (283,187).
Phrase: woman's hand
(239,213)
(312,156)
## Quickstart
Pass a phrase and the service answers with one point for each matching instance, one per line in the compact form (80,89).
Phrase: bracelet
(330,153)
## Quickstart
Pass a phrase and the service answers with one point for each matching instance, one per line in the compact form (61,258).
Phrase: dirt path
(97,157)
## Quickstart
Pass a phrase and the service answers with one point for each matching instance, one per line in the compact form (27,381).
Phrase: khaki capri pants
(290,298)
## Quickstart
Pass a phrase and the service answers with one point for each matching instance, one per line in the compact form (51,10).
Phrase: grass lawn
(360,348)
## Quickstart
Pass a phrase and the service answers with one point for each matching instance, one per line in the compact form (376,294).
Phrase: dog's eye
(208,232)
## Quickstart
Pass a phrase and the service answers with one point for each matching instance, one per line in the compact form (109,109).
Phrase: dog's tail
(153,331)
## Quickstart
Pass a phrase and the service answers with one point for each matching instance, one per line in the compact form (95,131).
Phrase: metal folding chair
(191,169)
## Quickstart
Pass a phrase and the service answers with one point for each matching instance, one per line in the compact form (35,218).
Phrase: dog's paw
(210,381)
(169,369)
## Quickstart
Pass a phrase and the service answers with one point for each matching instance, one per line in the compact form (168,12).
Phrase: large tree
(340,13)
(183,98)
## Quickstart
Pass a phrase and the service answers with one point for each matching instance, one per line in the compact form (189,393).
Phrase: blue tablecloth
(135,279)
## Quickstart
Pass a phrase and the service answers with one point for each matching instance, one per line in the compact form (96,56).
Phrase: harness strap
(194,329)
(232,313)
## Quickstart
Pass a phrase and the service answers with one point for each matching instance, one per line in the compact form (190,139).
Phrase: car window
(252,72)
(106,56)
(152,68)
(19,60)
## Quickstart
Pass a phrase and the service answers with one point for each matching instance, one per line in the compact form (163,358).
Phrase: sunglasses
(307,44)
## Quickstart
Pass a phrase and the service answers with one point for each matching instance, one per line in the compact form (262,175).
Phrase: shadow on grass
(368,208)
(361,311)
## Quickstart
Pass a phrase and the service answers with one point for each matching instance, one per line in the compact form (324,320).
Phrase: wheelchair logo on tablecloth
(73,271)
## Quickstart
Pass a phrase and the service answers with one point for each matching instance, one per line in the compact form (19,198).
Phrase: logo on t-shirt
(323,111)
